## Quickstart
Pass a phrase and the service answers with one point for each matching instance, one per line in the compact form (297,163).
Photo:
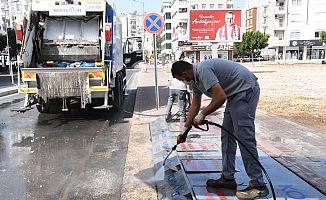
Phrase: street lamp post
(143,40)
(8,52)
(286,30)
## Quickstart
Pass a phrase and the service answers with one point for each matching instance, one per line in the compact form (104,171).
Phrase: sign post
(154,23)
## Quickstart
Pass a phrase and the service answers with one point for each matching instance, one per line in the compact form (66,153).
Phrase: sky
(124,6)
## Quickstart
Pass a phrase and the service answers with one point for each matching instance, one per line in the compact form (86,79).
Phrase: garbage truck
(71,56)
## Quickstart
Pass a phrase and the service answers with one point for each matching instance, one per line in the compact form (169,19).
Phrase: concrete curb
(8,91)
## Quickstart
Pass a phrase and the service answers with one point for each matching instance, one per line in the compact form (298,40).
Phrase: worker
(177,90)
(230,82)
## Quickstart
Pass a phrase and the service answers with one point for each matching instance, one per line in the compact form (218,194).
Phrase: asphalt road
(63,156)
(6,80)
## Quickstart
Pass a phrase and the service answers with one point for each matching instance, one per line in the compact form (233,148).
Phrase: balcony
(183,2)
(279,26)
(183,10)
(194,2)
(183,17)
(230,2)
(280,10)
(277,42)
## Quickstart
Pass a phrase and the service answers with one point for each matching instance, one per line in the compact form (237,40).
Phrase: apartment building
(166,34)
(10,10)
(132,24)
(293,26)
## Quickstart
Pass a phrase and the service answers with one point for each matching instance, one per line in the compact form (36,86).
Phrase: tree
(252,41)
(14,47)
(3,42)
(323,37)
(159,41)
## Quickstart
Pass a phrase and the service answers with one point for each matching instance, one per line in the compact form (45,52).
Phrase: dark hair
(179,67)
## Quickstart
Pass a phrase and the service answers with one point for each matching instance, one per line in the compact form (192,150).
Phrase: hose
(241,143)
(206,122)
(134,113)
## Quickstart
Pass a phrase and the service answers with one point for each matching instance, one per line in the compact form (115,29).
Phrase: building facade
(293,25)
(166,34)
(180,29)
(10,10)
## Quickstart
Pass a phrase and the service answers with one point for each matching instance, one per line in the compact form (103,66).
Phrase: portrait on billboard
(230,30)
(215,26)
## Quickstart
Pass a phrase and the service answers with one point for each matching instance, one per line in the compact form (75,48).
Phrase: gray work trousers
(239,117)
(177,94)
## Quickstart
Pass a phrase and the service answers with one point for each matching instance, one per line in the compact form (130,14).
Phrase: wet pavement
(293,156)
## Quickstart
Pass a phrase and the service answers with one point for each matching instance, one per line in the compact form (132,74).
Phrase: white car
(259,58)
(160,61)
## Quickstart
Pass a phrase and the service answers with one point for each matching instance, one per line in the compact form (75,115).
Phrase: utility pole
(286,29)
(8,49)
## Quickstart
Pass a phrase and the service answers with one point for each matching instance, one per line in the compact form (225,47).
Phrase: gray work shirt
(232,77)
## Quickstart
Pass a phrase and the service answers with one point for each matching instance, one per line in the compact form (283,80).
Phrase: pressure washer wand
(183,136)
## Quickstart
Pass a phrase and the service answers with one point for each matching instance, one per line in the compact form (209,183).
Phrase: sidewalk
(292,155)
(8,90)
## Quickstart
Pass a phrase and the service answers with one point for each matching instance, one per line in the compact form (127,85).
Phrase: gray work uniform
(242,91)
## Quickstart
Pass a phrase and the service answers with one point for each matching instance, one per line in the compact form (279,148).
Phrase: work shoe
(222,183)
(182,120)
(252,192)
(168,118)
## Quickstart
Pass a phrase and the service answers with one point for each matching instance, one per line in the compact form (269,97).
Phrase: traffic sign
(153,23)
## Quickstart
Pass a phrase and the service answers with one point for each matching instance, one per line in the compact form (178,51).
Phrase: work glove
(199,119)
(182,137)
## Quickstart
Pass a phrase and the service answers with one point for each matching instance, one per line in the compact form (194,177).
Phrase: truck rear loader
(71,56)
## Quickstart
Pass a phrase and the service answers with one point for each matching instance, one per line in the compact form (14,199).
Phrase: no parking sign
(153,23)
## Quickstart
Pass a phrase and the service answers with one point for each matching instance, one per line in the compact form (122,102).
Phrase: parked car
(259,58)
(160,61)
(244,59)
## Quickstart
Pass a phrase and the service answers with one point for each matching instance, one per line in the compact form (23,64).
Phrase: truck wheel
(118,93)
(40,108)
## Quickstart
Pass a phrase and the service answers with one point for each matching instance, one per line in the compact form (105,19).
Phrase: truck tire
(41,110)
(118,92)
(42,107)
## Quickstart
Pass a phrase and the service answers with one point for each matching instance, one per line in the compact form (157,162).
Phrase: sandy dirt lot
(296,92)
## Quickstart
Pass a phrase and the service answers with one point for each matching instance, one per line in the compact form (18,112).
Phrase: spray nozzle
(205,122)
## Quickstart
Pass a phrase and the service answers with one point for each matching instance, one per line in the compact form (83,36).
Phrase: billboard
(215,26)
